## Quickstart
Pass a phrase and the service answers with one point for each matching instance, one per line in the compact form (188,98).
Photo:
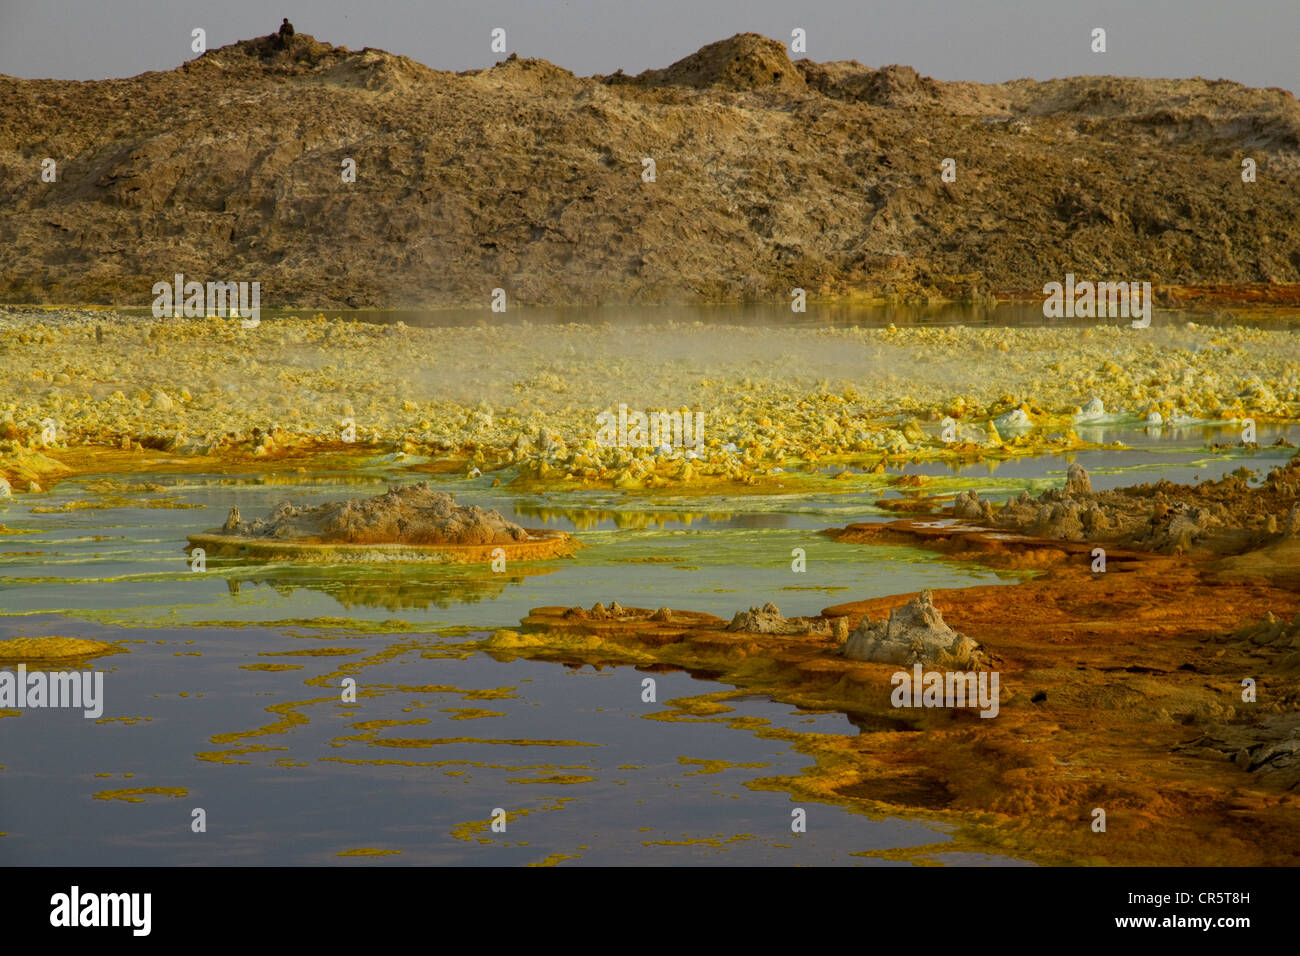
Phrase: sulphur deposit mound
(770,174)
(43,650)
(403,524)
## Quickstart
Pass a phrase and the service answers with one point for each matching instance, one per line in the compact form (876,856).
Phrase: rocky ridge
(771,174)
(1226,516)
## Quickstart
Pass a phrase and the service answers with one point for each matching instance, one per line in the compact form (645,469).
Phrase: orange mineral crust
(1164,691)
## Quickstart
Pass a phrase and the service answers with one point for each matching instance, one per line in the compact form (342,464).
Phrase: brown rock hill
(770,175)
(745,62)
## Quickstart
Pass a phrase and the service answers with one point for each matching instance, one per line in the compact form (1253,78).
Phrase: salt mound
(1093,411)
(1012,420)
(967,505)
(915,633)
(769,620)
(410,515)
(1077,481)
(746,61)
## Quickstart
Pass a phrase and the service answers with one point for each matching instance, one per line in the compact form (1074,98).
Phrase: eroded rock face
(1268,749)
(414,514)
(914,633)
(1277,761)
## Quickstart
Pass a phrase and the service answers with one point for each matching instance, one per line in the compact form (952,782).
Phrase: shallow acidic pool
(229,701)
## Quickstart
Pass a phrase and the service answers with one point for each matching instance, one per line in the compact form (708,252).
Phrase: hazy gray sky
(1253,41)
